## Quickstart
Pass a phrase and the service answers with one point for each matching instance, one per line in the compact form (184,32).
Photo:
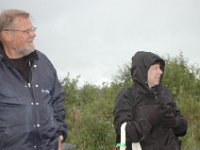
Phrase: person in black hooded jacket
(152,116)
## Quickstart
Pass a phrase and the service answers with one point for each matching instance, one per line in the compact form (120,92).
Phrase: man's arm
(58,96)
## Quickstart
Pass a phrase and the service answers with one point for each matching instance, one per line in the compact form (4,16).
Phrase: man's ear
(6,36)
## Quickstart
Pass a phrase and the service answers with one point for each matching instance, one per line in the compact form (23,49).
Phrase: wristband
(61,137)
(121,145)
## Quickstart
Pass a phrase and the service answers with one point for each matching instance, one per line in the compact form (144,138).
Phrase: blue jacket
(31,114)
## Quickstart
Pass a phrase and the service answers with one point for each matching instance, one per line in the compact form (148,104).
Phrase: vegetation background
(90,107)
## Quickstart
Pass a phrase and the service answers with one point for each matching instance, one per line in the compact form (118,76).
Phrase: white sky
(93,38)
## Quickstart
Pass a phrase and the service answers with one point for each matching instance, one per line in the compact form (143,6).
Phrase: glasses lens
(34,29)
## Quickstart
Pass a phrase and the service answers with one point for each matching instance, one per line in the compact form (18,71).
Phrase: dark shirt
(21,64)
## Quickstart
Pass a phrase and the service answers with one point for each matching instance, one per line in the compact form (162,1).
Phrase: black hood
(141,63)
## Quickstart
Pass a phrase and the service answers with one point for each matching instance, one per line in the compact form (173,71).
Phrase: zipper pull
(29,85)
(29,63)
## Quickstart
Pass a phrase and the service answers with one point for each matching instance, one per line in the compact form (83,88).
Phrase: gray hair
(7,17)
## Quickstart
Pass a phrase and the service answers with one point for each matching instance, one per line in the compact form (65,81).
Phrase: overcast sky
(93,38)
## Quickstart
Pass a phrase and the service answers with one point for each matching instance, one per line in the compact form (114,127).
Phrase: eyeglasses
(28,31)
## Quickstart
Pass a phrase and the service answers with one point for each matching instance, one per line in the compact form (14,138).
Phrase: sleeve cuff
(62,136)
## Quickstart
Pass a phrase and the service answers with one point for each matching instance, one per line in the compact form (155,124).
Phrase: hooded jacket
(136,105)
(31,114)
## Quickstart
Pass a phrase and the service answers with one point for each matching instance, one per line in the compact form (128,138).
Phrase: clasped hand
(170,121)
(164,115)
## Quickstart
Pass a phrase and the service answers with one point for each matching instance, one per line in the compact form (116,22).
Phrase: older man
(31,98)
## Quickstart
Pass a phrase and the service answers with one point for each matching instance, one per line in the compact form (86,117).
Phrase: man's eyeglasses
(28,31)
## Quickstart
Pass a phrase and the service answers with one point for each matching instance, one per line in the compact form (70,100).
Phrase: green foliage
(89,108)
(71,92)
(180,78)
(190,109)
(123,76)
(96,131)
(90,120)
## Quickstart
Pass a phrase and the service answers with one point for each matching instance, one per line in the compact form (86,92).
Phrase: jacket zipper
(33,95)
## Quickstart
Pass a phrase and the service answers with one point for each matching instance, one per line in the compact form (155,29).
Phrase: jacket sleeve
(58,96)
(181,127)
(135,130)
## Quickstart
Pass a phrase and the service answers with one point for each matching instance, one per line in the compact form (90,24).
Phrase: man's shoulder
(40,54)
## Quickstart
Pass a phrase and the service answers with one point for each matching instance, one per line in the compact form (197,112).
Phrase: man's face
(154,75)
(22,40)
